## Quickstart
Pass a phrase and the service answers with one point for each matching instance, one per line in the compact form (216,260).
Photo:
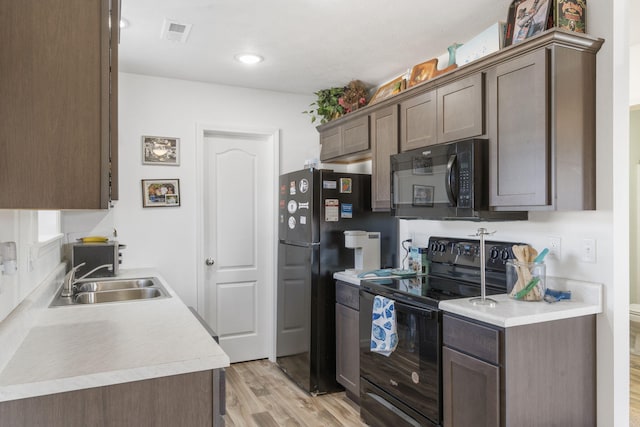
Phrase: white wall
(634,72)
(634,202)
(165,238)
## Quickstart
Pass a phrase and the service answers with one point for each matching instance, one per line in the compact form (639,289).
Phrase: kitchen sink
(112,290)
(111,285)
(117,295)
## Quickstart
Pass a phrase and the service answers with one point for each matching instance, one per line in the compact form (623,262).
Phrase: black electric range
(454,272)
(406,385)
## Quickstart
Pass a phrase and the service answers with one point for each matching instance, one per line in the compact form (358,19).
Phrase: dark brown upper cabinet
(542,128)
(346,141)
(58,104)
(534,102)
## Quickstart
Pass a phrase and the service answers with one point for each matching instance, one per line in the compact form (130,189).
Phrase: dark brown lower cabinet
(536,375)
(472,385)
(347,339)
(179,400)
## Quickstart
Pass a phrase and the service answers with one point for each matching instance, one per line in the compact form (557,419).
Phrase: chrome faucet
(70,280)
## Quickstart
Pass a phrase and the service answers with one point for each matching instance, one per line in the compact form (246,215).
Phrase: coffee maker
(367,249)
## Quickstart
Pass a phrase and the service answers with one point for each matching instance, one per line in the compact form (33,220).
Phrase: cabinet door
(418,121)
(384,143)
(471,391)
(55,104)
(460,109)
(113,98)
(355,135)
(331,140)
(347,348)
(519,152)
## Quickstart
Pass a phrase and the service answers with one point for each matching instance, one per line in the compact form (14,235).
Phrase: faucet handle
(69,279)
(76,268)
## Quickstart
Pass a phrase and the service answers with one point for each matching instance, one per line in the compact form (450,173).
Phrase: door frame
(203,130)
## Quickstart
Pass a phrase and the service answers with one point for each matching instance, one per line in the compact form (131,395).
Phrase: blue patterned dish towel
(384,335)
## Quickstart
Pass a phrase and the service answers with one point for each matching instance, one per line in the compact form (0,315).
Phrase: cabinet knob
(209,261)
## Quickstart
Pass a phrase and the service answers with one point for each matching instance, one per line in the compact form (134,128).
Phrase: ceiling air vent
(175,31)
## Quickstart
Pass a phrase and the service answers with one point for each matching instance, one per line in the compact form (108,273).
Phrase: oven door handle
(425,312)
(449,181)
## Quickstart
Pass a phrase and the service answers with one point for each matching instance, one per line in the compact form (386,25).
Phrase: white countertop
(52,350)
(348,276)
(351,276)
(586,299)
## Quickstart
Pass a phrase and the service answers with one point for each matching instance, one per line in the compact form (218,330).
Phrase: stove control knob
(442,247)
(494,253)
(505,254)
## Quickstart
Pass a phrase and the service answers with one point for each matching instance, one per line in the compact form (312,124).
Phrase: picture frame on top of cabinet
(393,87)
(570,15)
(422,72)
(160,193)
(160,150)
(527,18)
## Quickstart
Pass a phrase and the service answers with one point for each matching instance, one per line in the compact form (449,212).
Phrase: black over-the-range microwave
(445,181)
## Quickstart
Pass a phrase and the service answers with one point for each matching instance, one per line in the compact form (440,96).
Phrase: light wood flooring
(260,394)
(634,390)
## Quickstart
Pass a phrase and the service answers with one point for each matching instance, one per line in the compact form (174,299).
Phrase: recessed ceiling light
(123,23)
(249,58)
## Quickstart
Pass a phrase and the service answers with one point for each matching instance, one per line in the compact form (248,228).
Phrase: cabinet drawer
(480,341)
(348,294)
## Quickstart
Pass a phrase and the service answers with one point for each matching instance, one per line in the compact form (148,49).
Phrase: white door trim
(273,136)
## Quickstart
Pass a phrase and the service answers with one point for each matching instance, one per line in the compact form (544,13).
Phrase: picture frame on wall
(160,150)
(160,193)
(423,195)
(527,18)
(422,165)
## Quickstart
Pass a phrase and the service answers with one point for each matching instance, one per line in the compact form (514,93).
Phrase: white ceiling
(307,44)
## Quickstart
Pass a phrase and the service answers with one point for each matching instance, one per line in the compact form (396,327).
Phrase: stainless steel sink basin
(110,285)
(112,290)
(117,295)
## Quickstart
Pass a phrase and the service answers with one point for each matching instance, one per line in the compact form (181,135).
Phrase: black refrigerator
(316,207)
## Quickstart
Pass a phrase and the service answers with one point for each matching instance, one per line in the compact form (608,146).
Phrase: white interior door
(239,222)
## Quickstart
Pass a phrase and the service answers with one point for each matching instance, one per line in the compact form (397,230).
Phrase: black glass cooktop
(426,290)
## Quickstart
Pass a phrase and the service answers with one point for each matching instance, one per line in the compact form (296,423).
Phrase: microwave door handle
(449,180)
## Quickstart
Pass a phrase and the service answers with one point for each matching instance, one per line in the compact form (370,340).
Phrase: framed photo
(422,72)
(395,86)
(423,195)
(527,18)
(422,165)
(160,150)
(160,193)
(570,15)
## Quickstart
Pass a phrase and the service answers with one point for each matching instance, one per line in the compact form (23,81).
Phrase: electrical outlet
(589,250)
(554,246)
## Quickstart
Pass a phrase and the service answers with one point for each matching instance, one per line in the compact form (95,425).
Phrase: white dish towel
(384,335)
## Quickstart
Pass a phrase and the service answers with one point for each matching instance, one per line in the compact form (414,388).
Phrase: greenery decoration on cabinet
(334,102)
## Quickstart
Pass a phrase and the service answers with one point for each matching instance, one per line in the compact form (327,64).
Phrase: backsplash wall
(570,227)
(35,260)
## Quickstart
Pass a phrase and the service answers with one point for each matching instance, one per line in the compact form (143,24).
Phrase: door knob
(209,261)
